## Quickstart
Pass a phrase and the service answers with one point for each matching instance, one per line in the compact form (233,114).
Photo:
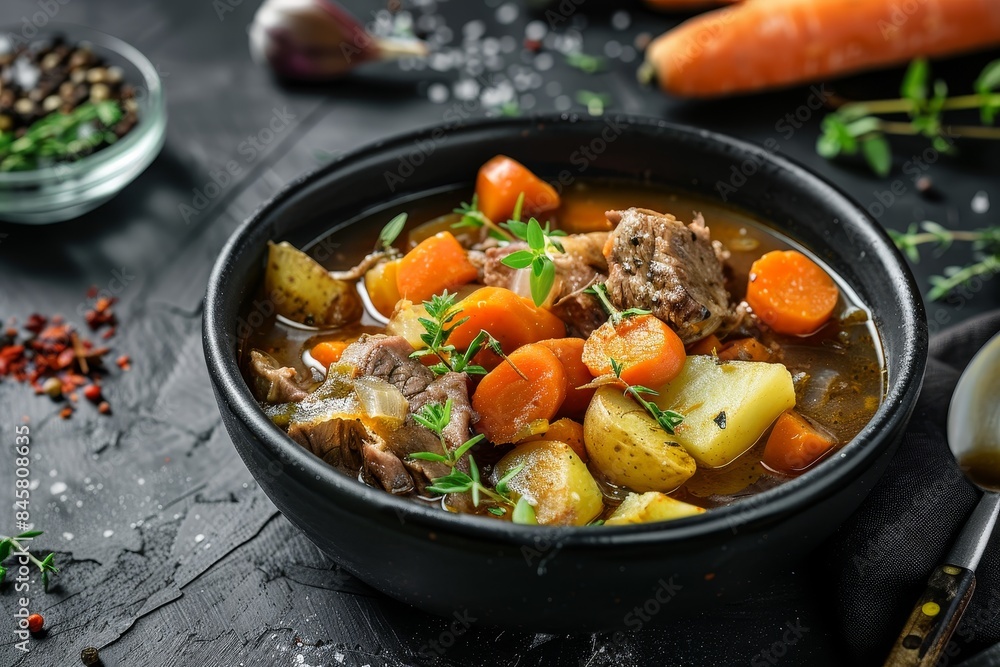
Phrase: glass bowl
(68,190)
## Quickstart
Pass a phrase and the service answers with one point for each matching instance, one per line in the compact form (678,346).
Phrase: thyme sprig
(438,327)
(586,62)
(435,417)
(473,218)
(985,244)
(600,290)
(667,419)
(13,545)
(859,126)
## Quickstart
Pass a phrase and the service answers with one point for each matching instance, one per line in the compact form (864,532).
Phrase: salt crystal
(507,13)
(199,537)
(437,93)
(553,88)
(465,89)
(473,30)
(527,101)
(535,30)
(57,488)
(109,533)
(563,103)
(621,20)
(628,54)
(612,49)
(544,61)
(67,536)
(980,202)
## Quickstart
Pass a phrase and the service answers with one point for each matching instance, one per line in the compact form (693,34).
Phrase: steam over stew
(609,354)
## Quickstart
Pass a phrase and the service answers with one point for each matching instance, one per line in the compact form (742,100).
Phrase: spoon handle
(933,618)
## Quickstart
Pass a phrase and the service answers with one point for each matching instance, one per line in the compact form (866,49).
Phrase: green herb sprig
(13,545)
(390,233)
(60,136)
(586,63)
(615,316)
(985,244)
(541,244)
(596,103)
(473,218)
(435,417)
(667,419)
(859,127)
(438,327)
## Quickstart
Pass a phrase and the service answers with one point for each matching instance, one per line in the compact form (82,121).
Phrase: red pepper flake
(53,359)
(533,45)
(124,362)
(92,292)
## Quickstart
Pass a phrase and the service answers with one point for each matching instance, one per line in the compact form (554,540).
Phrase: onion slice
(381,400)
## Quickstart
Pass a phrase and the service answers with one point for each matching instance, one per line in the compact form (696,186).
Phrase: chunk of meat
(379,449)
(675,270)
(276,384)
(582,265)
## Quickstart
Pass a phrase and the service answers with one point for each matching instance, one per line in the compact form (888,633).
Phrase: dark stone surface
(170,555)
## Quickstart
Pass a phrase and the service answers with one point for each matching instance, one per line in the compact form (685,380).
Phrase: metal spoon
(974,438)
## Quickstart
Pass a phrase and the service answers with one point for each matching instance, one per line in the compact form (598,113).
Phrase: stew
(614,353)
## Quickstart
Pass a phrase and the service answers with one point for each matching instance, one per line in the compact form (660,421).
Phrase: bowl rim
(761,509)
(151,83)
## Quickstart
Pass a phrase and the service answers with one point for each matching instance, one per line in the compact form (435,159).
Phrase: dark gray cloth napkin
(885,552)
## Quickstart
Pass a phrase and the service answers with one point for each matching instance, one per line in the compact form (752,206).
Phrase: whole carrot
(760,44)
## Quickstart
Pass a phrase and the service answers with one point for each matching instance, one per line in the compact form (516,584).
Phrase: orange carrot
(502,180)
(649,350)
(570,353)
(568,431)
(507,403)
(794,444)
(790,292)
(745,349)
(436,264)
(512,319)
(745,48)
(380,282)
(706,346)
(328,352)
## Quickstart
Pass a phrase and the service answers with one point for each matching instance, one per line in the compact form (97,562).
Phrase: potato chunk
(630,448)
(305,292)
(726,406)
(555,481)
(651,506)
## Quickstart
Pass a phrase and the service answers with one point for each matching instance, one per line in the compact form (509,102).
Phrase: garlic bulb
(318,39)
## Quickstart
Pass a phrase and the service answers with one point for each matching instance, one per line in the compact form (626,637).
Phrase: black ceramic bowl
(559,578)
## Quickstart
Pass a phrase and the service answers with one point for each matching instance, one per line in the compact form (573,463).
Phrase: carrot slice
(790,292)
(502,180)
(568,431)
(507,402)
(745,349)
(649,350)
(794,445)
(436,264)
(512,319)
(706,346)
(328,352)
(570,353)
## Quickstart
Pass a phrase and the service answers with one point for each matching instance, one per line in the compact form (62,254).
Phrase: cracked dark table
(169,553)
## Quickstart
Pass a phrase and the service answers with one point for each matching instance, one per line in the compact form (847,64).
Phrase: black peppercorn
(90,656)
